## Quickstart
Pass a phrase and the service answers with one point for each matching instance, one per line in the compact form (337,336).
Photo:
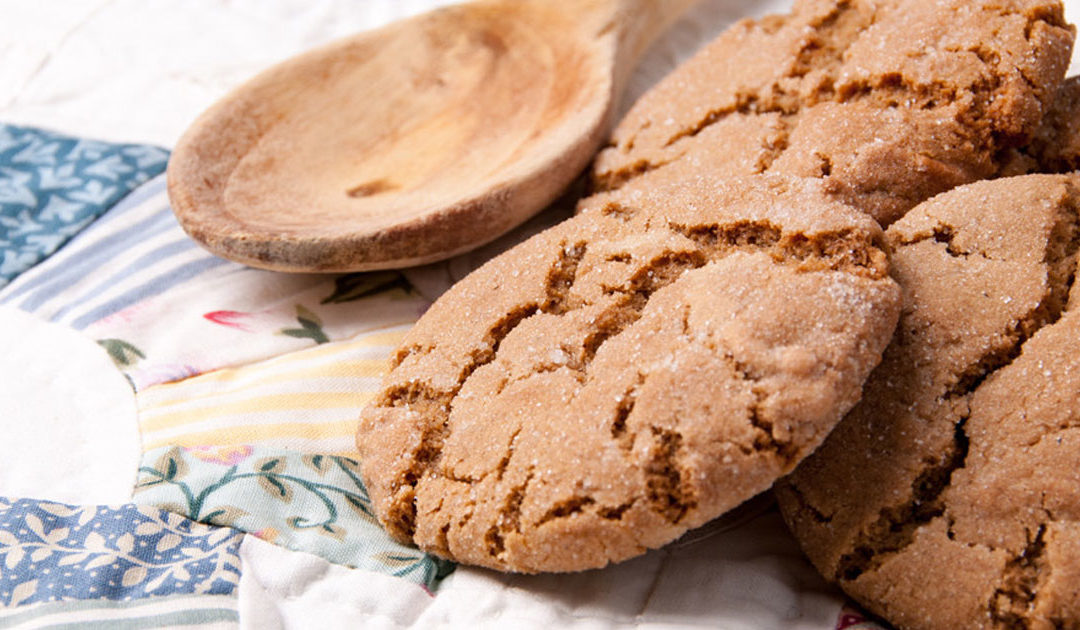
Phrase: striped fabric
(172,310)
(81,284)
(232,367)
(231,363)
(181,611)
(305,401)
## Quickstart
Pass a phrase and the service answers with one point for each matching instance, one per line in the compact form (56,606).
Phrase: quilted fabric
(246,385)
(247,399)
(314,503)
(52,186)
(248,394)
(103,552)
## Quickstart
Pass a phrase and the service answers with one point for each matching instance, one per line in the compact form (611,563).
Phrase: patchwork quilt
(243,388)
(178,429)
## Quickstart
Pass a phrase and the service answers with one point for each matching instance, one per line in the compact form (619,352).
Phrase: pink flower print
(165,373)
(232,319)
(269,534)
(125,316)
(851,618)
(226,455)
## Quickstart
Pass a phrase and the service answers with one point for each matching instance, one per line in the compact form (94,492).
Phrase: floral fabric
(172,310)
(255,365)
(309,502)
(247,385)
(53,552)
(52,186)
(852,618)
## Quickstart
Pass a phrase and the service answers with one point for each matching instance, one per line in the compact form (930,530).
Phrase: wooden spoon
(414,142)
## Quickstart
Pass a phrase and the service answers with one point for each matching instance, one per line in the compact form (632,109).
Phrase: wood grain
(411,143)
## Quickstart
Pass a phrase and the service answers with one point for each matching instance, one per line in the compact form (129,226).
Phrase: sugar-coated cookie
(888,101)
(629,374)
(950,496)
(1055,148)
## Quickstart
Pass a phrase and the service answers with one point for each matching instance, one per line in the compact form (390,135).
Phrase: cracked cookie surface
(888,101)
(950,496)
(1055,147)
(628,374)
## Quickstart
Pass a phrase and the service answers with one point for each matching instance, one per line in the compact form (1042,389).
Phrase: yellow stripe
(170,394)
(272,402)
(271,365)
(234,436)
(389,339)
(294,367)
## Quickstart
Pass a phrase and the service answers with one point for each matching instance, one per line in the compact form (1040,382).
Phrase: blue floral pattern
(308,502)
(52,186)
(53,552)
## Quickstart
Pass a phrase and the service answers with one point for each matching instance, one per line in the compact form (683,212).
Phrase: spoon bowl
(410,143)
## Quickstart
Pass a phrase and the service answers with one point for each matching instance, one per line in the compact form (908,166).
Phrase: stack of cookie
(716,307)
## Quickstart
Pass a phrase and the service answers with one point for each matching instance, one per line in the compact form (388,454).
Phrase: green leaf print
(355,286)
(224,516)
(312,502)
(270,464)
(318,463)
(273,485)
(310,326)
(362,506)
(172,465)
(429,568)
(121,352)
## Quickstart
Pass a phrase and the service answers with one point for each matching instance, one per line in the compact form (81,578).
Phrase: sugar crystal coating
(656,362)
(889,101)
(959,470)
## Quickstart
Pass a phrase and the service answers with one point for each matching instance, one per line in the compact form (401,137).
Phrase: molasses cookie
(950,496)
(628,374)
(888,101)
(1056,145)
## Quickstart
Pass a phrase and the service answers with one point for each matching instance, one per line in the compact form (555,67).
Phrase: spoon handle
(633,25)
